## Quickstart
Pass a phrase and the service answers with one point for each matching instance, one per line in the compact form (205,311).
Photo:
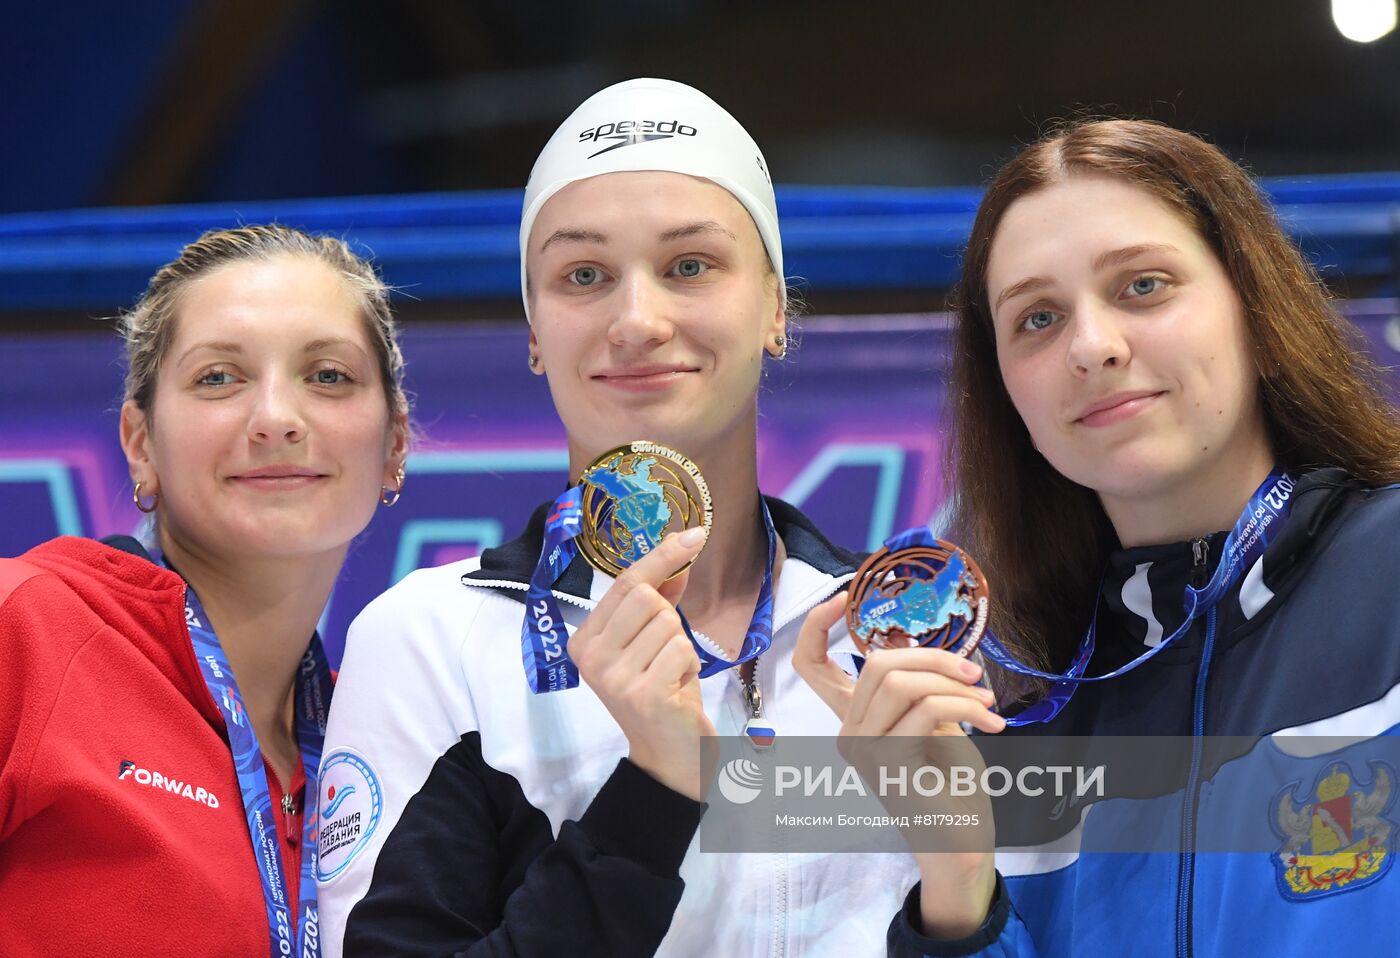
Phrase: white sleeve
(400,702)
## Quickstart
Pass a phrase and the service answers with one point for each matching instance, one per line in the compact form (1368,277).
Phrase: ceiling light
(1364,20)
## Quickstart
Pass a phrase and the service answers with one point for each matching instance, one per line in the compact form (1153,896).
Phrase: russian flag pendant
(757,729)
(760,733)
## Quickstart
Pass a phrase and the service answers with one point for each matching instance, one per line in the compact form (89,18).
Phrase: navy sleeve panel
(472,869)
(634,816)
(906,938)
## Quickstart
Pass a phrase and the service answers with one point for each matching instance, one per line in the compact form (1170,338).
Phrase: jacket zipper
(1200,563)
(780,878)
(289,810)
(780,881)
(1186,873)
(751,695)
(778,624)
(573,600)
(751,689)
(778,942)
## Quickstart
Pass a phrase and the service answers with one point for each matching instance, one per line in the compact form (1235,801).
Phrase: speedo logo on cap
(631,132)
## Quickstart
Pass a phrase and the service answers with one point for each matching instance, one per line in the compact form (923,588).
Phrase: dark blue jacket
(1307,644)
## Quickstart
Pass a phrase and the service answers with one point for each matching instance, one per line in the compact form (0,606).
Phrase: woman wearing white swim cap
(492,819)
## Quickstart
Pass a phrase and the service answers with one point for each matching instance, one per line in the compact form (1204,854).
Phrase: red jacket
(122,829)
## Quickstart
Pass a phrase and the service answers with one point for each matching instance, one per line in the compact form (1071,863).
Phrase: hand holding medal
(635,656)
(619,515)
(620,510)
(923,605)
(634,649)
(921,590)
(624,504)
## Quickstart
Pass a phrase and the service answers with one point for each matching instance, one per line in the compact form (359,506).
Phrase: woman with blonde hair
(521,791)
(162,706)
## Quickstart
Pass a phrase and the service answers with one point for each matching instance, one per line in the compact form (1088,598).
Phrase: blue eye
(1146,285)
(215,377)
(586,276)
(1038,320)
(690,268)
(329,377)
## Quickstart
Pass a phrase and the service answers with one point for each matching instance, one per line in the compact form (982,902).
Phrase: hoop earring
(384,499)
(136,498)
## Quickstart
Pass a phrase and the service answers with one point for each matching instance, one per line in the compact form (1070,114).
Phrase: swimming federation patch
(348,811)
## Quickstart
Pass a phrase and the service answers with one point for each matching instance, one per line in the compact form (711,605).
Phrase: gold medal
(632,497)
(924,595)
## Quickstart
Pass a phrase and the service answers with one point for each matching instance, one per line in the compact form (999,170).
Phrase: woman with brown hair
(1176,466)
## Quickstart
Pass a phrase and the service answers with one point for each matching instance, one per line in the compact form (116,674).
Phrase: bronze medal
(923,595)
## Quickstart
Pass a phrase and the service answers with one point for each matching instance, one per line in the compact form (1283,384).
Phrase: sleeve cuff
(635,816)
(906,935)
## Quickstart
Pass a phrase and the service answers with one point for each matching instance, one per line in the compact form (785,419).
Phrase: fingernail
(691,538)
(988,696)
(971,669)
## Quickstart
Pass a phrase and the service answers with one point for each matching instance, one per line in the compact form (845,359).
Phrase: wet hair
(149,327)
(1043,539)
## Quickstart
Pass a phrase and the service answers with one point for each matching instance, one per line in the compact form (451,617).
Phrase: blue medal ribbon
(758,638)
(544,640)
(288,933)
(1256,527)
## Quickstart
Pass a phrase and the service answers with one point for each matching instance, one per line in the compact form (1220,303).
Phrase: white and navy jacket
(1306,645)
(477,818)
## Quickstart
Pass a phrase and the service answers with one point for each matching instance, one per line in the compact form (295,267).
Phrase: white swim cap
(648,124)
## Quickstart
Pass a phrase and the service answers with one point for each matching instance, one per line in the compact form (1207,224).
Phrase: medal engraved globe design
(932,595)
(633,496)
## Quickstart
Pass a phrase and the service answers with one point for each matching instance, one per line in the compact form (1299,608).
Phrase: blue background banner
(442,246)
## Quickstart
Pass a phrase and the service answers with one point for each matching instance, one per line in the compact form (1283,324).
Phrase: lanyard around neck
(288,933)
(1257,526)
(1263,516)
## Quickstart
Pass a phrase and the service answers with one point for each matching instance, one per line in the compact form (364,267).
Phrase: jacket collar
(515,561)
(129,545)
(1142,599)
(140,602)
